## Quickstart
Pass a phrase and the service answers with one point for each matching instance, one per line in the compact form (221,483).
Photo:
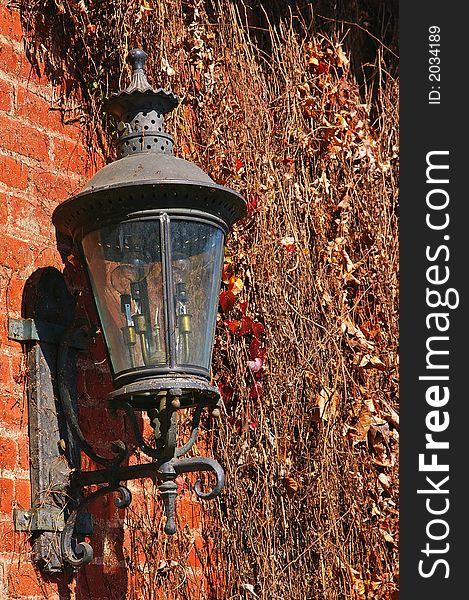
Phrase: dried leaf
(249,588)
(342,60)
(363,424)
(387,536)
(371,362)
(147,4)
(166,68)
(72,260)
(348,327)
(291,485)
(235,285)
(358,584)
(60,6)
(327,401)
(384,481)
(164,567)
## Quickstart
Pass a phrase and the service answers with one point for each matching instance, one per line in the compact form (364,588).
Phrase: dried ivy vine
(306,347)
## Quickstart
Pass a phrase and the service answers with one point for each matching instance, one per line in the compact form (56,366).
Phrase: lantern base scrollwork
(165,467)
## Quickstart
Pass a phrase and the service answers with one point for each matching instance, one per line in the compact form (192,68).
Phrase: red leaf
(227,301)
(322,67)
(181,483)
(257,329)
(226,391)
(228,272)
(232,325)
(256,390)
(256,350)
(246,325)
(242,306)
(253,201)
(236,423)
(288,243)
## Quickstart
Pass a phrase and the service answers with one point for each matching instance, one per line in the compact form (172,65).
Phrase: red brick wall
(43,161)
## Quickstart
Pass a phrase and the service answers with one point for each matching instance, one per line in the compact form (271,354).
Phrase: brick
(13,173)
(22,497)
(189,512)
(13,411)
(5,95)
(24,140)
(98,385)
(10,23)
(99,424)
(14,62)
(8,453)
(112,553)
(49,256)
(14,286)
(104,510)
(25,216)
(54,186)
(15,254)
(94,583)
(34,106)
(24,580)
(5,371)
(70,155)
(3,209)
(10,541)
(23,452)
(6,495)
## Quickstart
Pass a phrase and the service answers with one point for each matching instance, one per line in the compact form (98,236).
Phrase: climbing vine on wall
(307,334)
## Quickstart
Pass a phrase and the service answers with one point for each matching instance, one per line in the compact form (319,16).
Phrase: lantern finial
(139,83)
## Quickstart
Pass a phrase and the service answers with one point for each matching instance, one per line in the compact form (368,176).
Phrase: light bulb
(127,273)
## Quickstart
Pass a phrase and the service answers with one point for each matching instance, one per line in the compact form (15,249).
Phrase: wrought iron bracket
(33,330)
(58,518)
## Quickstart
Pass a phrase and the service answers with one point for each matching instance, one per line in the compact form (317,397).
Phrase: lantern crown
(139,110)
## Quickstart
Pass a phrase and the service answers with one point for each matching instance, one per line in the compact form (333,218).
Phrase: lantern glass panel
(157,302)
(196,262)
(125,266)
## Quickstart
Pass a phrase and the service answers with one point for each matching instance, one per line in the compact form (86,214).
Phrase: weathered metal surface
(39,519)
(53,452)
(23,330)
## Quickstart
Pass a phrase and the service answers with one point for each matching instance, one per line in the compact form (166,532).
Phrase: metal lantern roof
(146,177)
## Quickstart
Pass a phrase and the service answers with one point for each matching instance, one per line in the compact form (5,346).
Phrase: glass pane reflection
(124,263)
(196,252)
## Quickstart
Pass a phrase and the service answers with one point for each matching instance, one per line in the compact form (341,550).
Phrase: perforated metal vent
(144,132)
